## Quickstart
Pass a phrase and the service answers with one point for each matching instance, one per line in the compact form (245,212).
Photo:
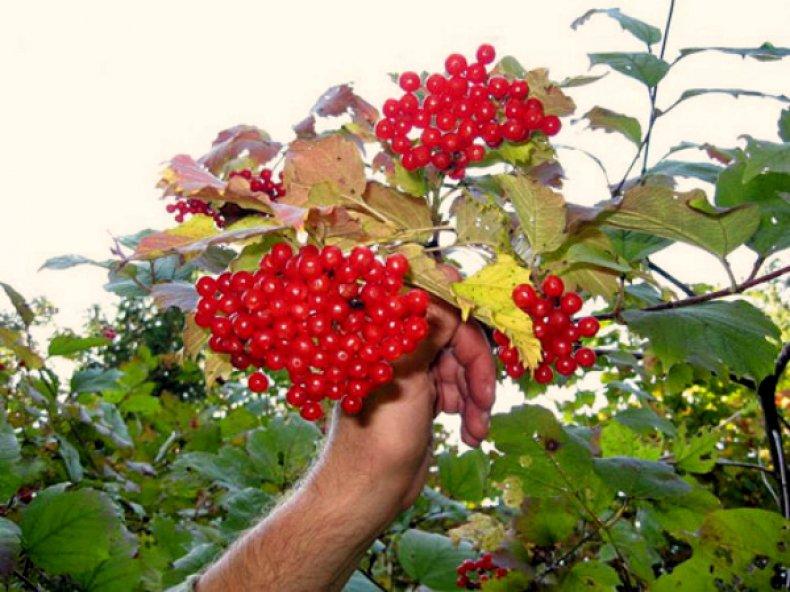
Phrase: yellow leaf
(488,296)
(194,337)
(485,531)
(216,366)
(425,274)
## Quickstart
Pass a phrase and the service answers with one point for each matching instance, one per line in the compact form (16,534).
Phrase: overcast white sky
(96,95)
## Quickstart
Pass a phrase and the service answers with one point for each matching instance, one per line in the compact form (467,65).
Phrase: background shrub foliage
(137,468)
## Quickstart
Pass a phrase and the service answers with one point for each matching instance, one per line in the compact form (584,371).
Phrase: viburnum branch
(736,289)
(758,263)
(670,278)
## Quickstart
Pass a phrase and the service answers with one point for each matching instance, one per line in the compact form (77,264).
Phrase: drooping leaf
(641,479)
(181,295)
(644,67)
(71,458)
(704,171)
(581,80)
(332,159)
(540,211)
(767,52)
(733,334)
(733,92)
(20,305)
(643,31)
(65,345)
(488,295)
(67,261)
(68,532)
(613,122)
(464,476)
(94,380)
(431,558)
(684,217)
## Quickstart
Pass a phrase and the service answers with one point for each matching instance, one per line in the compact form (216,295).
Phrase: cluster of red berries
(335,322)
(262,182)
(473,574)
(192,205)
(456,110)
(552,323)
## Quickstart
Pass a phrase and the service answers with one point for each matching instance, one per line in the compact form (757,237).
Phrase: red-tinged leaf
(334,226)
(555,102)
(179,294)
(333,159)
(383,162)
(305,129)
(184,176)
(230,143)
(341,99)
(288,215)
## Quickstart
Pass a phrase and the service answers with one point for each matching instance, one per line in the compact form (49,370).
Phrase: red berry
(351,405)
(486,53)
(397,264)
(550,125)
(409,81)
(553,286)
(384,130)
(571,303)
(206,286)
(311,411)
(519,89)
(516,370)
(435,83)
(258,382)
(500,338)
(455,64)
(565,366)
(585,357)
(543,374)
(524,296)
(588,326)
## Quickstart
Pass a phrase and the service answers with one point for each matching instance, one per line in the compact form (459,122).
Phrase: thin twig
(670,278)
(737,289)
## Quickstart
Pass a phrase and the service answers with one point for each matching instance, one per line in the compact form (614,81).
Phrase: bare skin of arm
(373,466)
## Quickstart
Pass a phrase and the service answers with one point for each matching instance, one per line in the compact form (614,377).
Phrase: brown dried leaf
(332,158)
(194,337)
(407,212)
(230,143)
(305,129)
(555,102)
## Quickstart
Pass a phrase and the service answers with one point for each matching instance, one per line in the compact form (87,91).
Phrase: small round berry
(384,130)
(455,64)
(543,374)
(500,338)
(409,81)
(515,370)
(552,286)
(519,89)
(311,411)
(524,296)
(565,366)
(435,83)
(540,308)
(585,357)
(206,286)
(550,125)
(258,382)
(351,405)
(476,73)
(561,348)
(571,303)
(397,264)
(486,53)
(588,326)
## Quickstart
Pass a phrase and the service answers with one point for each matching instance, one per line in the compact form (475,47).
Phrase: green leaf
(230,467)
(94,380)
(10,545)
(425,273)
(769,193)
(464,477)
(640,478)
(540,211)
(582,80)
(635,246)
(119,573)
(643,420)
(696,454)
(411,182)
(281,450)
(546,521)
(542,454)
(479,223)
(431,558)
(619,440)
(68,532)
(67,261)
(613,122)
(590,576)
(767,52)
(65,345)
(71,458)
(704,171)
(646,33)
(244,507)
(765,157)
(23,310)
(725,548)
(644,67)
(685,217)
(359,583)
(9,445)
(639,555)
(734,334)
(733,92)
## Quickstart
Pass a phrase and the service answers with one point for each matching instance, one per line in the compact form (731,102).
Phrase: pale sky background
(98,95)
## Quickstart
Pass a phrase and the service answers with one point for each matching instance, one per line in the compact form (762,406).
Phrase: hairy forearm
(312,541)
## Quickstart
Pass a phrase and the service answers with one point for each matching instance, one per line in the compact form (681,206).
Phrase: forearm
(314,539)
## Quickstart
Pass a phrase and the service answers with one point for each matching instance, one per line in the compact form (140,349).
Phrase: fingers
(473,353)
